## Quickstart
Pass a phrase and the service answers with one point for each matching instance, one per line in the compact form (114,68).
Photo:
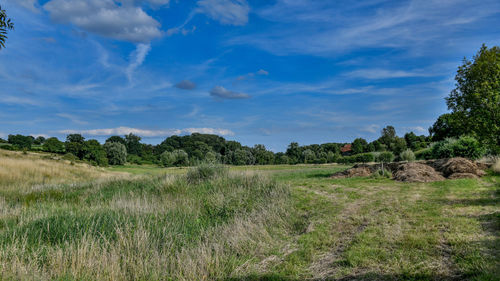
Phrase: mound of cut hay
(417,172)
(353,172)
(460,166)
(463,176)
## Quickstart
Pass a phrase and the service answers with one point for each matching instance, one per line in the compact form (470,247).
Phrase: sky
(259,72)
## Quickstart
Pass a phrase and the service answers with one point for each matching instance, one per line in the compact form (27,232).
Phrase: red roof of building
(346,148)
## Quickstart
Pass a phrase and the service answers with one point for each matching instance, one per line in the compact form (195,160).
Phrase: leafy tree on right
(475,102)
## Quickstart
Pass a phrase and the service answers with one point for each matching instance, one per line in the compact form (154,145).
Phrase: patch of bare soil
(417,172)
(463,176)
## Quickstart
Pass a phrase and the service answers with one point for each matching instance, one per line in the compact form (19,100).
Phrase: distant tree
(476,97)
(359,145)
(388,135)
(117,139)
(294,152)
(243,157)
(3,141)
(398,145)
(20,141)
(332,157)
(5,25)
(53,145)
(75,145)
(262,155)
(175,158)
(39,140)
(309,156)
(75,138)
(116,153)
(95,153)
(133,144)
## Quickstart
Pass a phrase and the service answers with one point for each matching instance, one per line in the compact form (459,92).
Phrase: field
(60,221)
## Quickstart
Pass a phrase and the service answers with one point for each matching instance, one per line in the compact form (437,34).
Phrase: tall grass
(154,228)
(496,166)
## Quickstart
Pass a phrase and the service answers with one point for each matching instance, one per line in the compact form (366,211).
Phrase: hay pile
(417,172)
(423,171)
(353,172)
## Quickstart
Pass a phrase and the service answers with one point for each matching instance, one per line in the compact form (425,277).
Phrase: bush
(424,154)
(385,157)
(134,159)
(206,171)
(465,146)
(382,174)
(69,157)
(364,157)
(407,155)
(6,146)
(175,158)
(116,152)
(53,145)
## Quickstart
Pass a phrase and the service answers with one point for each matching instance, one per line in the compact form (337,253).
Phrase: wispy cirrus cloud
(147,132)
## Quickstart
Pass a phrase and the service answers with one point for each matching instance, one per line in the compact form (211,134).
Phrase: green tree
(117,139)
(20,141)
(388,135)
(75,145)
(293,152)
(309,156)
(39,140)
(385,157)
(75,138)
(448,125)
(53,145)
(359,145)
(6,24)
(476,98)
(94,153)
(116,153)
(133,143)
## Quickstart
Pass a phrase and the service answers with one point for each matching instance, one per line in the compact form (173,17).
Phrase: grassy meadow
(64,221)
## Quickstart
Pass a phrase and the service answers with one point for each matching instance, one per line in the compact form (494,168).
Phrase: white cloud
(231,12)
(18,101)
(252,74)
(72,118)
(148,133)
(31,5)
(377,73)
(223,93)
(137,58)
(329,28)
(122,21)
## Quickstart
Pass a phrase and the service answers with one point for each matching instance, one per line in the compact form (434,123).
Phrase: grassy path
(378,229)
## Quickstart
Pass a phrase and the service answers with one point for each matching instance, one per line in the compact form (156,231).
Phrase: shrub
(465,146)
(382,174)
(407,155)
(175,158)
(205,171)
(364,157)
(53,145)
(116,152)
(424,154)
(134,159)
(69,157)
(6,146)
(385,157)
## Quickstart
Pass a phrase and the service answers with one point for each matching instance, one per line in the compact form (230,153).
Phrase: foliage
(21,142)
(117,139)
(358,158)
(379,174)
(39,140)
(359,145)
(175,158)
(243,157)
(385,157)
(53,145)
(134,159)
(69,157)
(116,153)
(309,156)
(476,98)
(465,146)
(448,125)
(424,154)
(94,153)
(133,144)
(407,155)
(5,25)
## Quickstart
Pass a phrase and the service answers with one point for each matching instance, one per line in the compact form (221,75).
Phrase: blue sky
(267,72)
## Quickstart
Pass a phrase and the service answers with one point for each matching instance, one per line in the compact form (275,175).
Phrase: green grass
(254,223)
